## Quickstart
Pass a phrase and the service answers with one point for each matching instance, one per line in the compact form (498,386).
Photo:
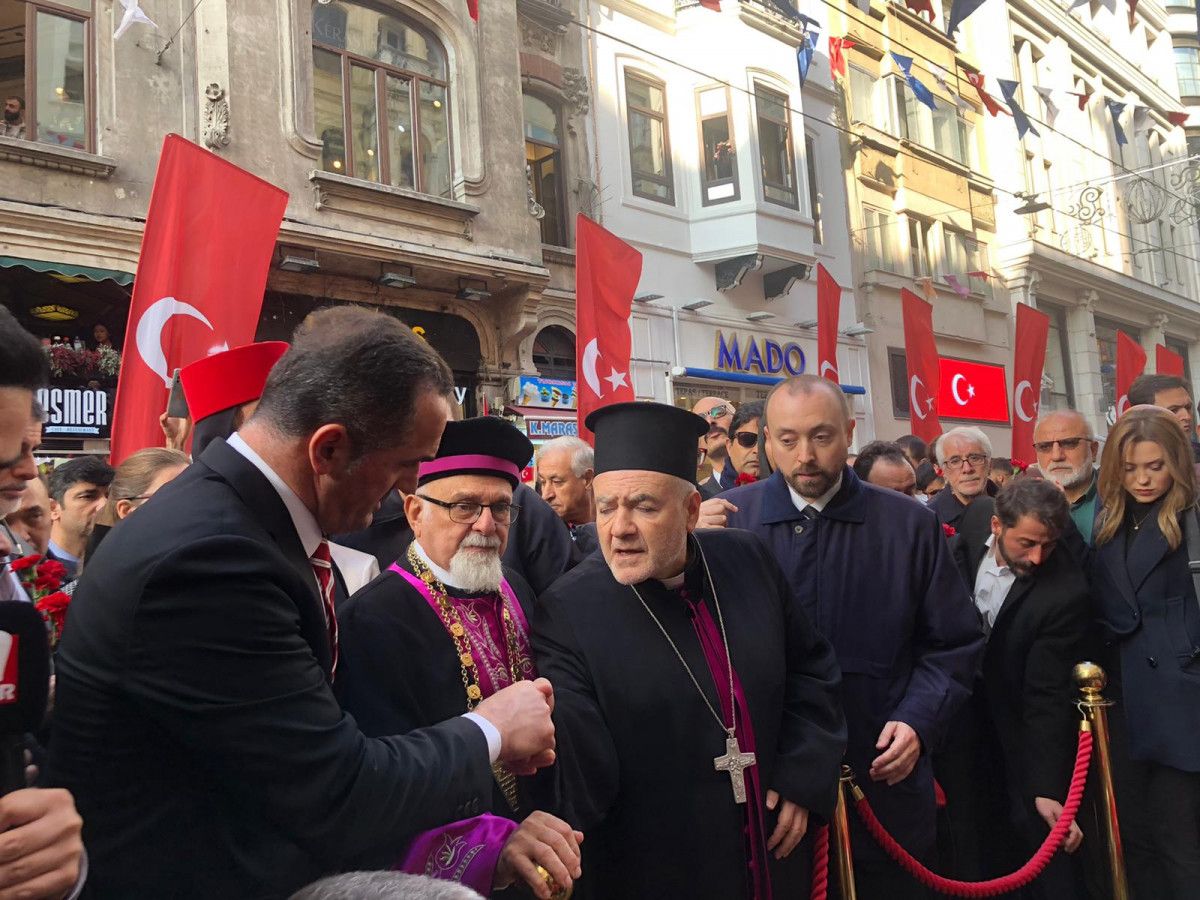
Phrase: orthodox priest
(444,627)
(696,706)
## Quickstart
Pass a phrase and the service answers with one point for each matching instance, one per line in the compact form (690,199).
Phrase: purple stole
(756,834)
(467,851)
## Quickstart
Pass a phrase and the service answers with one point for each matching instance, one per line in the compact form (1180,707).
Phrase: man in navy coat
(875,573)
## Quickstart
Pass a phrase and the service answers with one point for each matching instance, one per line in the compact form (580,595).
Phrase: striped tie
(322,565)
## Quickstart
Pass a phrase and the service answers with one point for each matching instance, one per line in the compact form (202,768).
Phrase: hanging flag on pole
(837,59)
(1178,119)
(804,54)
(959,10)
(1116,109)
(924,376)
(829,303)
(1048,103)
(1132,13)
(927,288)
(957,286)
(919,90)
(607,271)
(920,6)
(1167,362)
(1009,90)
(1029,360)
(989,102)
(714,5)
(1141,119)
(1131,362)
(186,305)
(1084,98)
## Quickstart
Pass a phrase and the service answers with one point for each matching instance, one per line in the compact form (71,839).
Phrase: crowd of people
(342,651)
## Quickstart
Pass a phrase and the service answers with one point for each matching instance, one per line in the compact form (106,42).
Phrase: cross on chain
(735,762)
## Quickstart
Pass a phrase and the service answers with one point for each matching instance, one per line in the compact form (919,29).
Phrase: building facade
(433,164)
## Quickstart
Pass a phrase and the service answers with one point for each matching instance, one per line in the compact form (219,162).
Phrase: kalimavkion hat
(486,445)
(648,437)
(228,379)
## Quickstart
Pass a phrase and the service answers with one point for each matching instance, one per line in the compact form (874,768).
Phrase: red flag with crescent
(924,375)
(1131,362)
(1167,362)
(607,271)
(1029,359)
(837,56)
(829,303)
(210,233)
(989,102)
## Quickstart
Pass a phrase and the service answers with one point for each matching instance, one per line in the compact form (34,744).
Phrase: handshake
(521,713)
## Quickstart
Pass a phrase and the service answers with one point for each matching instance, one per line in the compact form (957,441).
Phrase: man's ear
(587,478)
(55,510)
(412,512)
(693,510)
(996,526)
(329,450)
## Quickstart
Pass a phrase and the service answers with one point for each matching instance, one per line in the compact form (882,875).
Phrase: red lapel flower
(949,530)
(52,568)
(53,608)
(19,565)
(1019,464)
(745,478)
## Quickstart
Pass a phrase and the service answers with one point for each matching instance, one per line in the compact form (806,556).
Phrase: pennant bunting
(1141,119)
(927,288)
(1132,13)
(1084,98)
(941,76)
(919,90)
(714,5)
(1167,362)
(957,286)
(920,6)
(1178,119)
(1009,90)
(984,275)
(1116,109)
(786,10)
(1075,4)
(837,59)
(1049,104)
(473,9)
(959,10)
(804,54)
(989,102)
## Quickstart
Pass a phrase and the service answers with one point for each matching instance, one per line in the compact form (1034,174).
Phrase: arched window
(554,353)
(543,155)
(381,97)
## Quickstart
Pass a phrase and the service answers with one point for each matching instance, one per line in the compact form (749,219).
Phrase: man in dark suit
(195,719)
(1008,762)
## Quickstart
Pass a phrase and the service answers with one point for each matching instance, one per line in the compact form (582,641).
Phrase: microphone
(24,686)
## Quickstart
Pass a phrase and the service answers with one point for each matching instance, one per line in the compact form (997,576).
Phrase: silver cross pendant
(735,762)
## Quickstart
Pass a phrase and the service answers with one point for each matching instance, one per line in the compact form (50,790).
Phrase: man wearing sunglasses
(718,414)
(1066,454)
(964,455)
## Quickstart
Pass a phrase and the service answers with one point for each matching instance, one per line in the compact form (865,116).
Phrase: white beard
(474,571)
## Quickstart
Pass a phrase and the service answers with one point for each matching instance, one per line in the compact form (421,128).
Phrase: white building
(710,161)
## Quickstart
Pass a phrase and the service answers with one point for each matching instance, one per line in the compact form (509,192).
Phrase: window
(1175,345)
(942,129)
(879,238)
(543,156)
(381,98)
(1106,343)
(775,146)
(1187,68)
(814,198)
(554,353)
(919,256)
(898,377)
(649,144)
(45,66)
(718,163)
(1057,390)
(962,254)
(862,96)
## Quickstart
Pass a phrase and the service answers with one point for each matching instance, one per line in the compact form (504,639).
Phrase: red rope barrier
(820,875)
(995,886)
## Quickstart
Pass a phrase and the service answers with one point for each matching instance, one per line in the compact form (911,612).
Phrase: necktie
(808,516)
(322,565)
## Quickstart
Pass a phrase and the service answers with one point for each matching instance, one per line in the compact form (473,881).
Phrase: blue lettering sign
(793,359)
(729,357)
(754,358)
(774,357)
(551,428)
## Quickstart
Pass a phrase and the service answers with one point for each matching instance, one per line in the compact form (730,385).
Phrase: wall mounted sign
(762,356)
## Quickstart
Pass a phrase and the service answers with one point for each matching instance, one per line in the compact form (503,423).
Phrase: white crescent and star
(1020,404)
(1122,405)
(827,366)
(150,329)
(591,356)
(912,396)
(954,389)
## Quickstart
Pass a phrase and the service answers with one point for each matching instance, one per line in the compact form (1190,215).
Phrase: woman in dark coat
(1148,605)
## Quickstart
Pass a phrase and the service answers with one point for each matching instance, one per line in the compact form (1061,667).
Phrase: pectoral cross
(735,762)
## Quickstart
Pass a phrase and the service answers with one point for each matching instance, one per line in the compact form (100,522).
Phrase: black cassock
(637,743)
(398,670)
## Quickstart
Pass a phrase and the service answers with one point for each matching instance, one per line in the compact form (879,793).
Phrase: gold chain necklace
(452,621)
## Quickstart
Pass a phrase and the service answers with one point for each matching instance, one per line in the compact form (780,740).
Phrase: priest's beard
(477,571)
(1066,477)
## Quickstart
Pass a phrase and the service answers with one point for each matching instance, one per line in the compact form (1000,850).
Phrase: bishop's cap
(486,445)
(648,437)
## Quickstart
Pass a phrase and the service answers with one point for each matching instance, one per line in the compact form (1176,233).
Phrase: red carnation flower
(46,583)
(1019,464)
(53,608)
(745,478)
(20,565)
(52,568)
(949,530)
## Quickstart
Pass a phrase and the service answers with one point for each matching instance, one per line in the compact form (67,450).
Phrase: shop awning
(541,412)
(67,270)
(746,378)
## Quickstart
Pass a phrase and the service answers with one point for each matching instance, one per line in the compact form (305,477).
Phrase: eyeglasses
(746,439)
(717,412)
(1065,443)
(464,512)
(975,459)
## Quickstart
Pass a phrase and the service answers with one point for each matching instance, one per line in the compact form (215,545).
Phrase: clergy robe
(637,742)
(875,573)
(399,670)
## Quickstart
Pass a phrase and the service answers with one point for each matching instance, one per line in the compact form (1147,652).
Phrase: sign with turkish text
(552,393)
(754,356)
(548,429)
(971,390)
(75,412)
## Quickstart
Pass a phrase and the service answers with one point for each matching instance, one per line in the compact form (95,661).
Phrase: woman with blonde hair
(1147,602)
(137,479)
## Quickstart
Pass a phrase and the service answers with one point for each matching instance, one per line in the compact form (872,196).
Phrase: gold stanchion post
(1090,679)
(840,831)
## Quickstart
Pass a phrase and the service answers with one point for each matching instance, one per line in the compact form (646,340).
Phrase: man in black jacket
(195,720)
(1008,763)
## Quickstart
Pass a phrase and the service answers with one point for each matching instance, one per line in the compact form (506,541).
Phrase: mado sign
(75,411)
(769,358)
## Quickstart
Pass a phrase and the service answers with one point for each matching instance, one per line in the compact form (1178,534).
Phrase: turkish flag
(972,390)
(1131,362)
(1167,362)
(1177,118)
(920,349)
(837,58)
(473,9)
(989,102)
(1029,359)
(920,6)
(714,5)
(829,302)
(210,233)
(607,271)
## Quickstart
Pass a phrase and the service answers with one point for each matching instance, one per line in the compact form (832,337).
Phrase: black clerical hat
(650,437)
(486,445)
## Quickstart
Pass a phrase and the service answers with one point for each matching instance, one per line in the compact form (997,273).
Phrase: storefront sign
(75,411)
(762,356)
(551,428)
(547,392)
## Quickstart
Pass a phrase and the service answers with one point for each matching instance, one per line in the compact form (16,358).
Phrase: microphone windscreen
(24,668)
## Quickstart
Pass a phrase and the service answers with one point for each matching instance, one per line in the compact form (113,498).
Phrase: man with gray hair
(964,455)
(1066,455)
(383,886)
(564,468)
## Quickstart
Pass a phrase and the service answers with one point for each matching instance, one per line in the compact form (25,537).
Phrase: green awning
(36,265)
